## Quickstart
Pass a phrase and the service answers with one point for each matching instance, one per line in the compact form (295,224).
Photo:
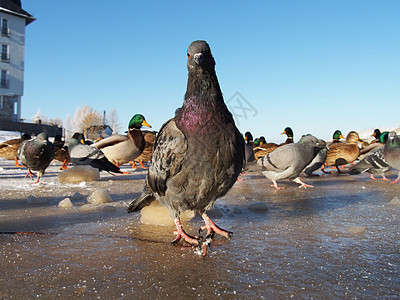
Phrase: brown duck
(264,148)
(343,153)
(9,149)
(149,138)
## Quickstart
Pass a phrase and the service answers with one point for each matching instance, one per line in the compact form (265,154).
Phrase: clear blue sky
(316,66)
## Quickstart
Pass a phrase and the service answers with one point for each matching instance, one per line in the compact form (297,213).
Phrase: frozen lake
(338,240)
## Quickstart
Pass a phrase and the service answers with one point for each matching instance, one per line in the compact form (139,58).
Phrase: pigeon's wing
(110,141)
(374,160)
(169,151)
(86,151)
(280,159)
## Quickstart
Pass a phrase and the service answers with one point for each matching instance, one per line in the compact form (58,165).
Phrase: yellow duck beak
(144,123)
(342,137)
(284,132)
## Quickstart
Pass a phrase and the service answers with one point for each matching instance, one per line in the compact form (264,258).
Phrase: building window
(5,53)
(1,102)
(4,79)
(5,30)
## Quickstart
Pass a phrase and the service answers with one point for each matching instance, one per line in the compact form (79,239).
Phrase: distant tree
(39,116)
(113,121)
(56,121)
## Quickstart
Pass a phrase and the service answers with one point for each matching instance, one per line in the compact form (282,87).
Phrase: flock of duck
(198,155)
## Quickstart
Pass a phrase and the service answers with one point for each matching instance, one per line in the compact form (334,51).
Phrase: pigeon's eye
(188,55)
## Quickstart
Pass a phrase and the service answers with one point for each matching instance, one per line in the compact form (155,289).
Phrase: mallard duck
(248,137)
(264,148)
(61,152)
(289,132)
(376,144)
(287,161)
(36,154)
(377,134)
(9,149)
(149,139)
(337,135)
(343,153)
(198,154)
(121,149)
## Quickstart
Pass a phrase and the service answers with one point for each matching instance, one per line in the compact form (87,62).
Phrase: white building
(13,20)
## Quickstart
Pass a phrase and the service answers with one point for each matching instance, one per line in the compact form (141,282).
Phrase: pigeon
(374,162)
(248,137)
(318,160)
(121,149)
(391,151)
(82,154)
(287,161)
(198,154)
(9,149)
(36,154)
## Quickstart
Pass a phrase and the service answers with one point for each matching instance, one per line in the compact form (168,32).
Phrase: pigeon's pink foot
(212,227)
(181,234)
(302,183)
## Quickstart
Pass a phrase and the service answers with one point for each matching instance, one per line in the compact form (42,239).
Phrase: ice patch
(100,196)
(158,215)
(79,174)
(88,208)
(258,207)
(66,203)
(395,201)
(356,230)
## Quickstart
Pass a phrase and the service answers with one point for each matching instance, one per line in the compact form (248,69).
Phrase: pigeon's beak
(144,123)
(198,58)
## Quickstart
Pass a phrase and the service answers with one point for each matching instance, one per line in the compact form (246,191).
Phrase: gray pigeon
(198,154)
(374,162)
(287,161)
(82,154)
(36,154)
(318,160)
(391,152)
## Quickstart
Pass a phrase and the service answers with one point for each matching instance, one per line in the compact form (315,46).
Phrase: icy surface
(79,174)
(99,196)
(292,243)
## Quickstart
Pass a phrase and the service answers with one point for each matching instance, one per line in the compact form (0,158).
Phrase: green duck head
(288,131)
(377,133)
(337,135)
(137,122)
(383,137)
(248,137)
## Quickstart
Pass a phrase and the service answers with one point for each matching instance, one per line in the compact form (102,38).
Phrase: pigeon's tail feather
(143,200)
(355,170)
